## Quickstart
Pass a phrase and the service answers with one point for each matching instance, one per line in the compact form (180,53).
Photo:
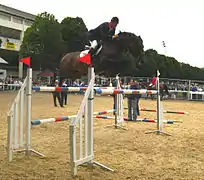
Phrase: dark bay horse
(125,42)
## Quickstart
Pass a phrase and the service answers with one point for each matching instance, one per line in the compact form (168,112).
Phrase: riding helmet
(115,19)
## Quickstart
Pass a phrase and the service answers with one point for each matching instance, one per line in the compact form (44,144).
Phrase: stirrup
(99,49)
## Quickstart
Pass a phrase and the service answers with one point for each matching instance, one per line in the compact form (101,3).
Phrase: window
(5,16)
(17,20)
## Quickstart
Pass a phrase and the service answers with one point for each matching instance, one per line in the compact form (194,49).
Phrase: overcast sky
(180,23)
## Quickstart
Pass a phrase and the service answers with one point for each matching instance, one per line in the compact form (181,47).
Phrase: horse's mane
(129,36)
(126,34)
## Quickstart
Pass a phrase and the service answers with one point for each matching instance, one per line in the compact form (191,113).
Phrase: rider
(104,32)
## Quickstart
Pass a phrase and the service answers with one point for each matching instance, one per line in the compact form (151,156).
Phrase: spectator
(138,96)
(56,95)
(133,99)
(64,94)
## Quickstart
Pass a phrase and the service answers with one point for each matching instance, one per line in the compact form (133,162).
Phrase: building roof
(16,12)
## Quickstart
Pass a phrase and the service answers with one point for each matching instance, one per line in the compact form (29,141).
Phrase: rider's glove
(115,36)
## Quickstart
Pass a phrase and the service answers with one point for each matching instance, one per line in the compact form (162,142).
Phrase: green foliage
(73,32)
(169,67)
(42,41)
(127,65)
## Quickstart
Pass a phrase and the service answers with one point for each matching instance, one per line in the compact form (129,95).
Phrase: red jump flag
(86,59)
(26,61)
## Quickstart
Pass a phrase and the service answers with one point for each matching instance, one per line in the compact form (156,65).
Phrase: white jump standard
(16,130)
(118,101)
(159,112)
(86,153)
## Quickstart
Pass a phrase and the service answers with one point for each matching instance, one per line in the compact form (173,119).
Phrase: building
(13,23)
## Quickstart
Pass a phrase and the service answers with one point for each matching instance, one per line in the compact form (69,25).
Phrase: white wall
(13,25)
(3,74)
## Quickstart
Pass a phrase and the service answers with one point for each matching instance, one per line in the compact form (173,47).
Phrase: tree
(149,66)
(73,32)
(169,67)
(42,41)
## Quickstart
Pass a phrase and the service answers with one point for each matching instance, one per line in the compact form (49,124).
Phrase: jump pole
(119,119)
(165,111)
(159,118)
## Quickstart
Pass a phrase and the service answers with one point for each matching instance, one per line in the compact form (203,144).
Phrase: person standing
(64,94)
(138,96)
(56,95)
(133,99)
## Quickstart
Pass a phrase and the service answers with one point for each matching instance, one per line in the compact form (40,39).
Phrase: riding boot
(91,51)
(95,46)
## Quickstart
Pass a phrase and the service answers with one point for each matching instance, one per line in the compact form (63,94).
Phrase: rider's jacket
(102,32)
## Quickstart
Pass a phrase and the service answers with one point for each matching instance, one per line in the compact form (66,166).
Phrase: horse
(107,59)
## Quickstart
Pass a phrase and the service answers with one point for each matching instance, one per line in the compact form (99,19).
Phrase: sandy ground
(132,154)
